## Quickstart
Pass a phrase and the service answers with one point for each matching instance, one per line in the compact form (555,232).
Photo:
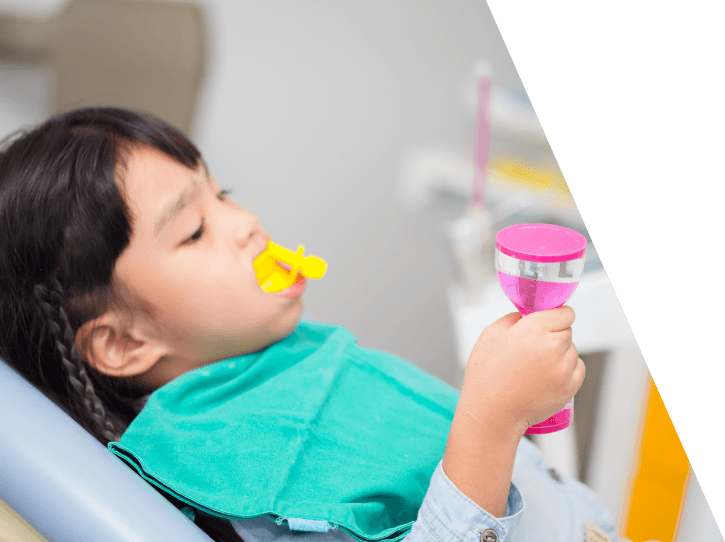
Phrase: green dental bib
(311,428)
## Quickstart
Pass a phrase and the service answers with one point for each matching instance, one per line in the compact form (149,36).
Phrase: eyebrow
(172,210)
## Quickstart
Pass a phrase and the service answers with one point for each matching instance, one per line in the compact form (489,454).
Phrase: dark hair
(63,224)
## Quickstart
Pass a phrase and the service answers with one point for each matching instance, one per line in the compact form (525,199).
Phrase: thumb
(507,321)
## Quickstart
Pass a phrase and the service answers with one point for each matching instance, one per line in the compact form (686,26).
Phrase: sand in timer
(539,266)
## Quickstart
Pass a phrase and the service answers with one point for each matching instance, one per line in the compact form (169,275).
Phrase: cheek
(206,293)
(215,295)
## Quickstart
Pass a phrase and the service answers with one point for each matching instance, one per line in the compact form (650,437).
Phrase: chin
(291,323)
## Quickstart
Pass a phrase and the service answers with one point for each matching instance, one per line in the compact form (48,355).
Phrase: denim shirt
(542,506)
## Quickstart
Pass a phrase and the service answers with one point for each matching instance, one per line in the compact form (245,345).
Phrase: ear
(115,348)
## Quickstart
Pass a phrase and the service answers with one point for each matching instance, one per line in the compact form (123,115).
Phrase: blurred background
(329,120)
(349,127)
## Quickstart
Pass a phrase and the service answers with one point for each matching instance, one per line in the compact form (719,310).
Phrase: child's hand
(522,370)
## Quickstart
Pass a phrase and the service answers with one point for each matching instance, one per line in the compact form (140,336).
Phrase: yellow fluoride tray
(274,278)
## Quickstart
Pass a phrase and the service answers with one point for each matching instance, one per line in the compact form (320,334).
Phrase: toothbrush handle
(482,142)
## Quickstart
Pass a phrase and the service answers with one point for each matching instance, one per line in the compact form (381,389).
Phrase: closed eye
(222,195)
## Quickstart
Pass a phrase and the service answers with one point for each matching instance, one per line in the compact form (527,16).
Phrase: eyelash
(198,233)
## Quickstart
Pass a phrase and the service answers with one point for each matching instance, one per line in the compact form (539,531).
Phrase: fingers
(571,355)
(556,319)
(578,369)
(578,375)
(564,336)
(499,327)
(507,321)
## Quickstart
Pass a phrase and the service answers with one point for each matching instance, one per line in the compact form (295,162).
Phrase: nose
(244,226)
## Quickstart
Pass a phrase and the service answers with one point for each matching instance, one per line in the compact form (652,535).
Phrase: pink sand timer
(539,267)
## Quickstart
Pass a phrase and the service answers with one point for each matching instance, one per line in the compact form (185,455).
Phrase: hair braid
(51,302)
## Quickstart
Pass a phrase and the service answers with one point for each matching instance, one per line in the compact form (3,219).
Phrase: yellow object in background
(657,493)
(531,177)
(273,278)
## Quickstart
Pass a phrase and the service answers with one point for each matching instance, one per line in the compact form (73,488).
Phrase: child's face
(191,257)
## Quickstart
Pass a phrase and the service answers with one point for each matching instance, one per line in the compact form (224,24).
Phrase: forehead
(150,179)
(148,173)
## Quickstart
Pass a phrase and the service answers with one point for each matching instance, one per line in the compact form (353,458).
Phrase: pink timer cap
(541,243)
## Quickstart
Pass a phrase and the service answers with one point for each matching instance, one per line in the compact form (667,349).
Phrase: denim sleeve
(447,515)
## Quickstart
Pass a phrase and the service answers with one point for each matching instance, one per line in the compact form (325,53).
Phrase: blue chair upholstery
(68,486)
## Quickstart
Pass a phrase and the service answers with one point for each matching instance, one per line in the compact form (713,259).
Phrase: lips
(296,289)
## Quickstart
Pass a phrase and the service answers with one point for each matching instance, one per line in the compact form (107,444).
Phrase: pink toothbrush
(482,142)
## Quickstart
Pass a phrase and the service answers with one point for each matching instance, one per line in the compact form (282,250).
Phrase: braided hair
(50,301)
(63,224)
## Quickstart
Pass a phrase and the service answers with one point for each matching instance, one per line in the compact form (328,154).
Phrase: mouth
(296,289)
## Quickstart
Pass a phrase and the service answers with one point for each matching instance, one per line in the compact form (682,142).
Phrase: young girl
(126,274)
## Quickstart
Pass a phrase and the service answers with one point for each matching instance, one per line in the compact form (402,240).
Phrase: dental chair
(66,485)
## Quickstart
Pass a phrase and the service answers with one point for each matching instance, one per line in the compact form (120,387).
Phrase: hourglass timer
(539,266)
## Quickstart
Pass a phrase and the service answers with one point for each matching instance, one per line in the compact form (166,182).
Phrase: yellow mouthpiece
(273,278)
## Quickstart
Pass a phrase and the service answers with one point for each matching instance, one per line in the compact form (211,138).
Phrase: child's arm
(520,372)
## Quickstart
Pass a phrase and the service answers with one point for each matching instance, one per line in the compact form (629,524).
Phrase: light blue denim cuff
(447,515)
